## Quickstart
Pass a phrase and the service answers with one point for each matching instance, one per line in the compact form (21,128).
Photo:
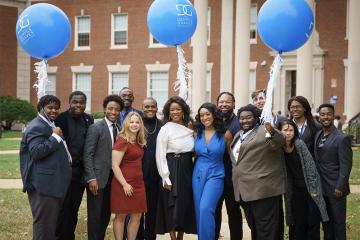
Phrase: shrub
(13,109)
(98,115)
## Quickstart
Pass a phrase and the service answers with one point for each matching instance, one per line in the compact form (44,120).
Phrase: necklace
(153,131)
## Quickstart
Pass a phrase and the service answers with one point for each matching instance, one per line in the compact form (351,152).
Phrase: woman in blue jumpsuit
(208,177)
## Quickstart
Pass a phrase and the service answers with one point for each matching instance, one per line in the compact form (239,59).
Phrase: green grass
(16,220)
(11,134)
(9,144)
(9,166)
(353,217)
(355,171)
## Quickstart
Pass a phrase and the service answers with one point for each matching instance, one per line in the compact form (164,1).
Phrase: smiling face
(176,113)
(50,110)
(77,104)
(326,117)
(112,111)
(296,110)
(259,100)
(206,117)
(247,120)
(149,108)
(127,96)
(134,124)
(288,132)
(226,103)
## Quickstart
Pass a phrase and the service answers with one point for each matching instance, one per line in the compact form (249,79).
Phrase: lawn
(9,166)
(9,144)
(11,134)
(355,171)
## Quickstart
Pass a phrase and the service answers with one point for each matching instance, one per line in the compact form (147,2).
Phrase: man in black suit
(74,123)
(45,166)
(97,167)
(333,155)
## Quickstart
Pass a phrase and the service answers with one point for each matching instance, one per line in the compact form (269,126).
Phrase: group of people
(172,175)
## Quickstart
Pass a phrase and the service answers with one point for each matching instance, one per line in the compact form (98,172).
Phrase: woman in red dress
(127,187)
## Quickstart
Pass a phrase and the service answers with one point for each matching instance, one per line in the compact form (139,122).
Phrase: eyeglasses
(297,107)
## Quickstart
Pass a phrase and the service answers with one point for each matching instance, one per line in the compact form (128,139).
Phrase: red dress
(132,171)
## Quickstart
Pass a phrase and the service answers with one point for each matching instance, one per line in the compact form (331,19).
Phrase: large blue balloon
(172,22)
(43,30)
(285,25)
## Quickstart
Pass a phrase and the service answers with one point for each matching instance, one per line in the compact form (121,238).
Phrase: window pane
(120,22)
(83,24)
(253,21)
(83,39)
(120,37)
(83,83)
(119,80)
(51,86)
(159,87)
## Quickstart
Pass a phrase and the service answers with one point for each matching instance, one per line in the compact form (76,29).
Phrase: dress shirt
(110,126)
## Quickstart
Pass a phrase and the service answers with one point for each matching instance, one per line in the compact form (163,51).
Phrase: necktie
(114,131)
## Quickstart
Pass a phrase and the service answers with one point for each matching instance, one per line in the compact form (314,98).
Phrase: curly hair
(307,111)
(47,99)
(250,108)
(184,107)
(113,98)
(218,121)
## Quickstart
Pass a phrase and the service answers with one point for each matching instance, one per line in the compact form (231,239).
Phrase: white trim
(77,71)
(112,30)
(150,68)
(155,45)
(118,68)
(76,47)
(18,3)
(253,40)
(347,19)
(157,67)
(82,68)
(347,96)
(52,69)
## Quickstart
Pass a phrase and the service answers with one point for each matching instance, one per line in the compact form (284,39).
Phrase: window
(155,43)
(82,34)
(83,83)
(158,87)
(51,86)
(208,86)
(252,83)
(119,30)
(253,23)
(118,81)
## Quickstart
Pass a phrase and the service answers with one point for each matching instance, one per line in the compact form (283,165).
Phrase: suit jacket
(97,153)
(44,163)
(259,171)
(335,162)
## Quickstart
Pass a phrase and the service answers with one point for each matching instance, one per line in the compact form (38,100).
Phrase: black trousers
(148,220)
(98,209)
(68,216)
(263,218)
(45,211)
(233,211)
(306,216)
(335,228)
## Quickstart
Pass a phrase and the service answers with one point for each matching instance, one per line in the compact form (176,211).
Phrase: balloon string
(183,75)
(266,115)
(42,78)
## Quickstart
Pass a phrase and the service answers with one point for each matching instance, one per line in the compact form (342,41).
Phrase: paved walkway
(9,152)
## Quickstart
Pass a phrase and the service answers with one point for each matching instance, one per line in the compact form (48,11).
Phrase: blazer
(259,171)
(334,165)
(44,163)
(97,153)
(312,182)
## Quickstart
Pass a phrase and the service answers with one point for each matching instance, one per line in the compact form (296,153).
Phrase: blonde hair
(126,133)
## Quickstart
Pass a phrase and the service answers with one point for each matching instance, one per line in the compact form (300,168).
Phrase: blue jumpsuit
(208,182)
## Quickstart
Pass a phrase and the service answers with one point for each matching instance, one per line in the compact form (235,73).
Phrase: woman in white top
(174,147)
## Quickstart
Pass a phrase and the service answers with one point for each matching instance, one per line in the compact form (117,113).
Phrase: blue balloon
(285,25)
(172,22)
(43,30)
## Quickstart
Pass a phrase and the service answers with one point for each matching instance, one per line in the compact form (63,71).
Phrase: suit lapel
(316,143)
(107,133)
(331,138)
(244,144)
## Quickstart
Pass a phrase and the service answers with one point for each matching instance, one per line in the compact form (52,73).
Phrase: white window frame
(157,67)
(76,34)
(122,46)
(252,68)
(118,68)
(78,70)
(51,70)
(155,45)
(253,40)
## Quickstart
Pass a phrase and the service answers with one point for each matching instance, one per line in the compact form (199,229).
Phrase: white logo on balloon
(184,14)
(24,25)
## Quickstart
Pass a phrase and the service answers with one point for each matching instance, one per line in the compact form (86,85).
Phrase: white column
(226,57)
(242,52)
(304,73)
(199,42)
(353,84)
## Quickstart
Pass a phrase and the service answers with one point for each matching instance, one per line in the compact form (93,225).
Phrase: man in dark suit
(97,165)
(226,104)
(74,123)
(45,166)
(333,155)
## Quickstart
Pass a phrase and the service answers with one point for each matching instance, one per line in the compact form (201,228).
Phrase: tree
(13,109)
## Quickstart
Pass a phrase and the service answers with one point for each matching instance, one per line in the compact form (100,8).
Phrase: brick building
(111,47)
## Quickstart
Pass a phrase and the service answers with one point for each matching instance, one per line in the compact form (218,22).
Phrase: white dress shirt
(172,138)
(110,126)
